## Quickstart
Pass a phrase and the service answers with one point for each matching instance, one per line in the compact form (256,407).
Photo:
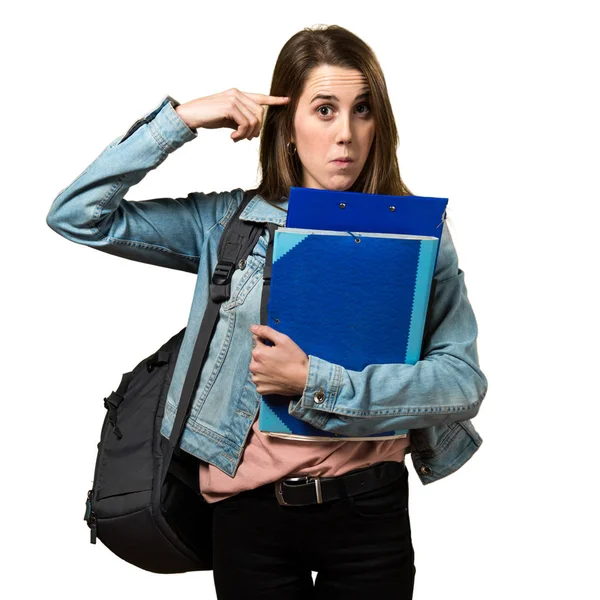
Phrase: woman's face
(339,125)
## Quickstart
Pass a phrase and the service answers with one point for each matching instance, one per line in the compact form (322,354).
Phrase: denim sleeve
(447,385)
(167,232)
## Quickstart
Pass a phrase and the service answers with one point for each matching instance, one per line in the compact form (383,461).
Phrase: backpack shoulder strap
(266,290)
(237,241)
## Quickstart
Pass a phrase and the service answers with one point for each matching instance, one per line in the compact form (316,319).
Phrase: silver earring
(288,148)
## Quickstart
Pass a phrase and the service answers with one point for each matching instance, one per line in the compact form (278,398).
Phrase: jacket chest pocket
(247,275)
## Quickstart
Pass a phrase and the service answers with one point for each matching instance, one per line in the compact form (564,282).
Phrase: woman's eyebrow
(332,97)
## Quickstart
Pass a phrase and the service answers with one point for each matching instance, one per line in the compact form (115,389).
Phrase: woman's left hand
(278,369)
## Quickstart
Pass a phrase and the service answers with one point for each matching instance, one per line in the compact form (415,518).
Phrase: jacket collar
(259,210)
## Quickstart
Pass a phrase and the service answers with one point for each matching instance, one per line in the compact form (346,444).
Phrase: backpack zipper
(90,517)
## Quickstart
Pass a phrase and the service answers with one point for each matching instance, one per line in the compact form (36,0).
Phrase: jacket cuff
(167,128)
(320,393)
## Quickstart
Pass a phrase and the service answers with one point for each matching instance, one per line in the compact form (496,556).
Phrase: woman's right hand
(237,110)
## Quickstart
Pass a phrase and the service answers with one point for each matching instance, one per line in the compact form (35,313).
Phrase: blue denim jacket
(435,398)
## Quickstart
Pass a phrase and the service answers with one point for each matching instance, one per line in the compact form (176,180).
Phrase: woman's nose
(344,133)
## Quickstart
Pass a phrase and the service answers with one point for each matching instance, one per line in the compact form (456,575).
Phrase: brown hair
(312,47)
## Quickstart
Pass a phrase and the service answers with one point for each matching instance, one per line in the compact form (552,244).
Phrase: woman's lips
(342,163)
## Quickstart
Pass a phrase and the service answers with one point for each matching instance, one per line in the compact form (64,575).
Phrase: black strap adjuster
(220,287)
(223,272)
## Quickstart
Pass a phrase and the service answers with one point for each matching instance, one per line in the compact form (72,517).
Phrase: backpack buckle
(223,272)
(220,288)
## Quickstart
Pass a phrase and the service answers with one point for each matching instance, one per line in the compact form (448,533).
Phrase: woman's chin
(340,183)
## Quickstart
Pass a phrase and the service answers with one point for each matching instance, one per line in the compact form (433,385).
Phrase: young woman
(327,124)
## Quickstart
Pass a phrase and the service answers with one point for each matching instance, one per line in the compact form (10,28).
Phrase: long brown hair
(310,48)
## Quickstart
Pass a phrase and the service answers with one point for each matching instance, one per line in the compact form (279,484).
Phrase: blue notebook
(352,299)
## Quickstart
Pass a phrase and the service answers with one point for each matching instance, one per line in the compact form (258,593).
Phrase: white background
(497,108)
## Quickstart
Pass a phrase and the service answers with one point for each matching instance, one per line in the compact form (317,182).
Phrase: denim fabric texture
(435,398)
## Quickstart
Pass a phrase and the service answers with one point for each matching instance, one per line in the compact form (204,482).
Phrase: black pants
(359,546)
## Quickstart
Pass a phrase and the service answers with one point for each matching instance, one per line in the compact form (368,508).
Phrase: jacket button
(426,470)
(319,396)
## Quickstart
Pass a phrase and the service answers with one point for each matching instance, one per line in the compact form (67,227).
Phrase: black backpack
(145,503)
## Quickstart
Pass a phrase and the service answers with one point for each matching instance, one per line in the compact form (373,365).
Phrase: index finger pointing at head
(264,99)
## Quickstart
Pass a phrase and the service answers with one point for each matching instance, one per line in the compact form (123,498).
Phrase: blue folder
(310,208)
(352,299)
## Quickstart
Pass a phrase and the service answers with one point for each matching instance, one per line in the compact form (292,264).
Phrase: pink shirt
(267,459)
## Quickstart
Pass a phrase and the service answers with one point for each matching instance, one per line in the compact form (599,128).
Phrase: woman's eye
(360,112)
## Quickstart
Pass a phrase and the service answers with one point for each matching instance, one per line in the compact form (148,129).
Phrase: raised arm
(168,232)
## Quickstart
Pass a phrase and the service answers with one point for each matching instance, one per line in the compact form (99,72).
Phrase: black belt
(300,491)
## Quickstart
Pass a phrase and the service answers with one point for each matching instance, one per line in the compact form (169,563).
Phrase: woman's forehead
(327,80)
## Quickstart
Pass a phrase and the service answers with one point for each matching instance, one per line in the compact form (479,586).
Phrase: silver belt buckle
(305,478)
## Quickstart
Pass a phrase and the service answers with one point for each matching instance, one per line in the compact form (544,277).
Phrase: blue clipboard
(310,208)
